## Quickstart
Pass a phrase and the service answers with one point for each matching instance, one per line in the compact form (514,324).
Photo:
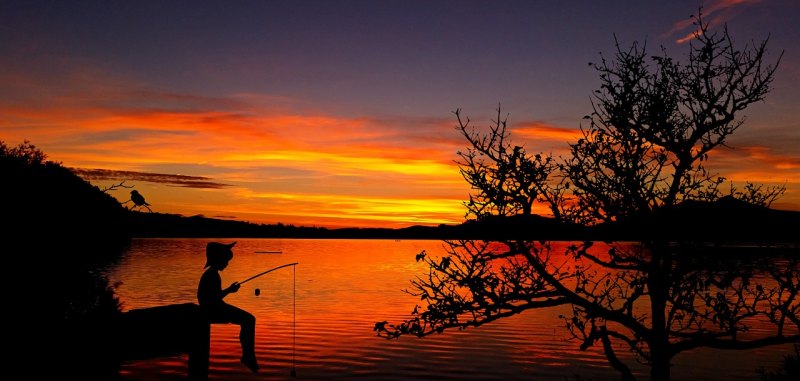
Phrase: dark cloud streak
(199,182)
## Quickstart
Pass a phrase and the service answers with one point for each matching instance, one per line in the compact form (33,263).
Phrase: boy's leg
(247,333)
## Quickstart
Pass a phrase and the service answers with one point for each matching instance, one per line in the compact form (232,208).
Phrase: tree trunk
(658,283)
(660,367)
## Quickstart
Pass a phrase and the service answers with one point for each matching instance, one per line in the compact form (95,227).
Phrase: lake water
(343,287)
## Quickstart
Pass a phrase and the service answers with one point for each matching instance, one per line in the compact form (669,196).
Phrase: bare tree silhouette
(116,186)
(653,123)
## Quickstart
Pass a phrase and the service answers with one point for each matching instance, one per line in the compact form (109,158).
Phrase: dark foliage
(48,208)
(57,231)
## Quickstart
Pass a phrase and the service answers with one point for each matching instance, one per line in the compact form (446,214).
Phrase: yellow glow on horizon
(366,207)
(344,162)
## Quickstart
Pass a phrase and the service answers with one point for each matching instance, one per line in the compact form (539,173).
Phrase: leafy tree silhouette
(57,230)
(654,121)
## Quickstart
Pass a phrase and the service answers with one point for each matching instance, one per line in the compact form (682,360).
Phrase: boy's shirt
(209,291)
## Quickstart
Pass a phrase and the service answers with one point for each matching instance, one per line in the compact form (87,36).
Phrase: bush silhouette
(58,229)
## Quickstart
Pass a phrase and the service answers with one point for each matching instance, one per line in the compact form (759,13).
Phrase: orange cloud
(543,131)
(759,165)
(757,157)
(278,167)
(543,137)
(715,12)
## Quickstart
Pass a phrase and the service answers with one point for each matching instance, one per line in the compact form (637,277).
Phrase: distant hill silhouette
(151,225)
(726,220)
(172,225)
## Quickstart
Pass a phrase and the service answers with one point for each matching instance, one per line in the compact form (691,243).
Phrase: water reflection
(654,300)
(343,288)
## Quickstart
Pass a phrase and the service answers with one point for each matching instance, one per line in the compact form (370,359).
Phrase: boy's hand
(234,287)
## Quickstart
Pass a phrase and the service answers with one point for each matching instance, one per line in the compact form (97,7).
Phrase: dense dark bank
(725,221)
(151,225)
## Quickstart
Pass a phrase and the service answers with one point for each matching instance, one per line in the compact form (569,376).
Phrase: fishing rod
(267,272)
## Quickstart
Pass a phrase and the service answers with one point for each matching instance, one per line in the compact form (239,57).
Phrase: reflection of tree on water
(656,305)
(644,151)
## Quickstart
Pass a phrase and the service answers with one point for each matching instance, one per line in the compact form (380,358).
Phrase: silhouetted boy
(210,295)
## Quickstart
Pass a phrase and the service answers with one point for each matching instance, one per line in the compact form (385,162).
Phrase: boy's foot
(250,363)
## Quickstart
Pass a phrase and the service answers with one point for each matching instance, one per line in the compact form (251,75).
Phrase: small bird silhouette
(138,200)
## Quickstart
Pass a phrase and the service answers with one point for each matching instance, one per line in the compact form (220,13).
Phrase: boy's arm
(231,289)
(210,288)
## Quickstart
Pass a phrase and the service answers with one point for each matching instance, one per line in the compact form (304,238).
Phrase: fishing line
(293,373)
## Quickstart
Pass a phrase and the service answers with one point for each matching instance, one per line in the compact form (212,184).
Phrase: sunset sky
(339,113)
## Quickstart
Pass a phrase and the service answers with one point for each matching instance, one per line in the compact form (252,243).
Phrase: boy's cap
(216,252)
